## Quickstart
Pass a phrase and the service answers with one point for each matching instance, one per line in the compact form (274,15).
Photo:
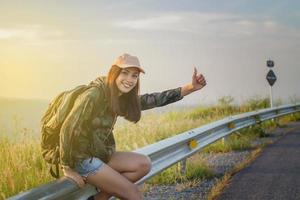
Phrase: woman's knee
(144,164)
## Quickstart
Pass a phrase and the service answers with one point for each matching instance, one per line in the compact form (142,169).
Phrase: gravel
(172,192)
(220,163)
(223,162)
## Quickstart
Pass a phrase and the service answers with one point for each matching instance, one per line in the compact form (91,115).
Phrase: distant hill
(20,113)
(16,114)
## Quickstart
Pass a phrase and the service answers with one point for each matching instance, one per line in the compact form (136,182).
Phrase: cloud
(208,24)
(30,33)
(5,34)
(154,23)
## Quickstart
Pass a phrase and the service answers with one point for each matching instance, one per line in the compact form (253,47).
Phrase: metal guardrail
(165,153)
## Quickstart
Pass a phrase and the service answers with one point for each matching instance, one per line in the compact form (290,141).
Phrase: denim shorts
(89,166)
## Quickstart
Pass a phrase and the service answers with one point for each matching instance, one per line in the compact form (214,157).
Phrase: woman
(87,144)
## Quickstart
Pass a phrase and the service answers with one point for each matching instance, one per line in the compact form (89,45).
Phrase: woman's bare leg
(132,166)
(113,183)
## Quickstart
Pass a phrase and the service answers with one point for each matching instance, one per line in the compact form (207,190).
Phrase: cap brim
(127,66)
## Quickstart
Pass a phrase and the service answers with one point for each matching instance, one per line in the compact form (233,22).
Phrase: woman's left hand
(198,80)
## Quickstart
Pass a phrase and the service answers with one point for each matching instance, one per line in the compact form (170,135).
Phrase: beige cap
(127,60)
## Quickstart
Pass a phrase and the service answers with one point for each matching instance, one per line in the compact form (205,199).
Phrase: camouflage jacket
(87,130)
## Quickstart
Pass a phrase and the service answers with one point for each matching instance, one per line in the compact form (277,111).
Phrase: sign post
(271,78)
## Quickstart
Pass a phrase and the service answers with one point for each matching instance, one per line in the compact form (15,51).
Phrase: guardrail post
(294,115)
(230,125)
(182,166)
(224,140)
(261,131)
(276,120)
(278,124)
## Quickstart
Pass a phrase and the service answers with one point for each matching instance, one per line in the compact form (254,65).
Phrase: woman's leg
(132,166)
(113,183)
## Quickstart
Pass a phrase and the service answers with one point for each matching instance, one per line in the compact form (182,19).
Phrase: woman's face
(127,79)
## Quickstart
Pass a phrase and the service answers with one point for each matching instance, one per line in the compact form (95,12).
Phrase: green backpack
(52,121)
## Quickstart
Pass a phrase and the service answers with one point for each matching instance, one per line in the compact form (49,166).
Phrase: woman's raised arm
(158,99)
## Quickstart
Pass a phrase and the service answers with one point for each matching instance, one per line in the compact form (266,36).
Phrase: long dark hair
(128,104)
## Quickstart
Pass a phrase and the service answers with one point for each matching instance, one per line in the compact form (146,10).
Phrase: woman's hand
(79,180)
(198,82)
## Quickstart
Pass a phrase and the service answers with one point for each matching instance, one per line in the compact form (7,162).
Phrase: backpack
(51,123)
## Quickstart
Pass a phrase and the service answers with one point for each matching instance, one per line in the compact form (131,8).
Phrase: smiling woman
(127,79)
(87,145)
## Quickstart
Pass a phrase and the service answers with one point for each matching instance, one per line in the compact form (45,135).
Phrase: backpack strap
(56,173)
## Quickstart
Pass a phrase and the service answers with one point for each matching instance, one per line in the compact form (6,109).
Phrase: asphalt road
(274,175)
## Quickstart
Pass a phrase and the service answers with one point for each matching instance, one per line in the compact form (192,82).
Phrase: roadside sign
(271,77)
(270,63)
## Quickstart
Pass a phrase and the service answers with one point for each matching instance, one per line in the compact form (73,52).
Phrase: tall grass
(22,167)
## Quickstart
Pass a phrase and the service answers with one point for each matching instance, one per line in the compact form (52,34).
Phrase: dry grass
(22,167)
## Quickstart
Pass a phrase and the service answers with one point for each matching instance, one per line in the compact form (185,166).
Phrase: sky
(50,46)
